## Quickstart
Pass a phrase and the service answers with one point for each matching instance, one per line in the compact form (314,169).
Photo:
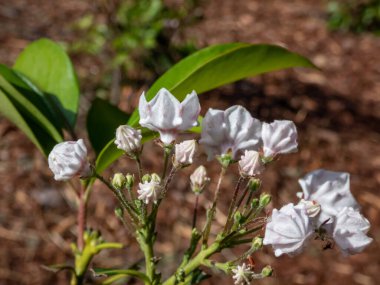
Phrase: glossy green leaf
(48,66)
(222,64)
(32,130)
(102,121)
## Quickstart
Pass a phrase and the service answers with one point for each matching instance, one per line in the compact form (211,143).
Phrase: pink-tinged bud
(128,139)
(149,190)
(279,137)
(312,208)
(350,231)
(250,163)
(69,159)
(166,115)
(199,179)
(233,130)
(288,230)
(184,152)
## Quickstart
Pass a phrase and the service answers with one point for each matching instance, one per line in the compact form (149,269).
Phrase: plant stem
(232,205)
(211,212)
(195,212)
(139,168)
(81,218)
(167,151)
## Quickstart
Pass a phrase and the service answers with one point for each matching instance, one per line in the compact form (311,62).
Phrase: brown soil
(336,109)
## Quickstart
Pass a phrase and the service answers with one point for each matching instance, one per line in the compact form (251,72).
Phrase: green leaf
(117,274)
(48,66)
(37,135)
(222,64)
(102,121)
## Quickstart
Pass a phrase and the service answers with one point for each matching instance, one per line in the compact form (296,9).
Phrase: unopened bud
(130,180)
(225,159)
(250,164)
(257,243)
(199,179)
(254,184)
(146,178)
(156,178)
(238,217)
(184,153)
(118,181)
(119,213)
(255,203)
(265,199)
(267,271)
(128,139)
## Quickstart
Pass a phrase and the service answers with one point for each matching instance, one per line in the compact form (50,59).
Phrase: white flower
(329,189)
(199,179)
(149,190)
(279,137)
(288,230)
(242,274)
(184,152)
(250,163)
(312,207)
(166,115)
(128,139)
(233,129)
(69,159)
(350,231)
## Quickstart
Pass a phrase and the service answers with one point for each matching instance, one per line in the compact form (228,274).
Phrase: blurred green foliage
(355,15)
(135,40)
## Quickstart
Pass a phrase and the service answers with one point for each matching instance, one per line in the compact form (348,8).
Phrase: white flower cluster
(327,204)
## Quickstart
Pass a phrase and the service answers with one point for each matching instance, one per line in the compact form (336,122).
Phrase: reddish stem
(81,218)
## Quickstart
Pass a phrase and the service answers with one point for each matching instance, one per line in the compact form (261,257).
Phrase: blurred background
(120,46)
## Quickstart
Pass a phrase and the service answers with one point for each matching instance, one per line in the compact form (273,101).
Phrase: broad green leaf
(32,94)
(222,64)
(102,121)
(28,110)
(48,66)
(37,135)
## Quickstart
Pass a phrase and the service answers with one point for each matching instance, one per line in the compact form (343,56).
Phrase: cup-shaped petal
(231,130)
(69,159)
(279,137)
(128,139)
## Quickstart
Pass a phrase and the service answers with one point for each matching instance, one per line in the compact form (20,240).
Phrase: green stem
(232,205)
(197,261)
(167,151)
(211,212)
(139,168)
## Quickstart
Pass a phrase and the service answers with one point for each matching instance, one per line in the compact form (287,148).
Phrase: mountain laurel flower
(279,137)
(128,139)
(242,274)
(199,179)
(312,207)
(231,130)
(288,230)
(250,164)
(69,159)
(184,152)
(331,190)
(166,115)
(149,189)
(350,231)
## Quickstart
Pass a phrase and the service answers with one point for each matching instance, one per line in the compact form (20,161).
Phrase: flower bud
(148,190)
(313,208)
(128,139)
(255,203)
(265,199)
(69,159)
(254,184)
(238,217)
(156,178)
(119,212)
(184,153)
(118,181)
(267,271)
(199,179)
(146,178)
(257,243)
(250,163)
(130,180)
